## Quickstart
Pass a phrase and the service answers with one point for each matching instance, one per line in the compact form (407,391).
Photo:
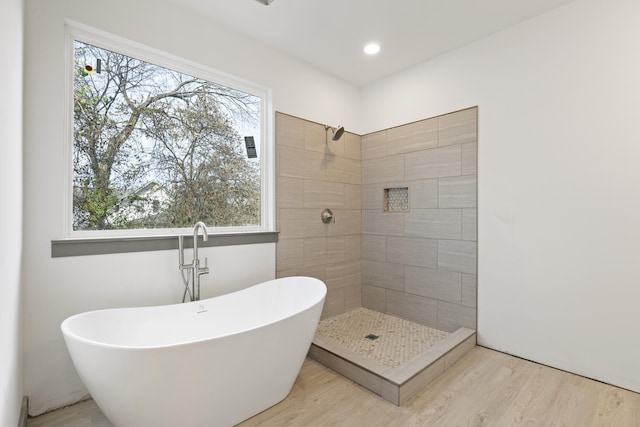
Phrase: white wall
(57,288)
(558,177)
(11,45)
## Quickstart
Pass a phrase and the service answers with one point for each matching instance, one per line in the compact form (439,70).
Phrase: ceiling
(330,34)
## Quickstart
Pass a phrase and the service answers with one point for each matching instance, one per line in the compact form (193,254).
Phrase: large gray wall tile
(289,131)
(433,163)
(469,158)
(291,162)
(315,251)
(453,316)
(342,169)
(374,298)
(314,165)
(382,274)
(423,194)
(343,274)
(352,145)
(434,223)
(289,192)
(412,251)
(296,223)
(378,222)
(373,196)
(336,148)
(347,222)
(458,127)
(432,283)
(292,223)
(333,303)
(413,137)
(411,307)
(457,192)
(457,256)
(323,194)
(469,290)
(353,196)
(353,247)
(315,137)
(335,249)
(374,247)
(470,224)
(374,145)
(383,169)
(289,254)
(352,297)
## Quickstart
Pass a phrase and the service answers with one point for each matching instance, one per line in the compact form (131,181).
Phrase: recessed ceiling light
(372,48)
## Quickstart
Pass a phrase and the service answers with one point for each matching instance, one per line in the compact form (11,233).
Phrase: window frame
(79,32)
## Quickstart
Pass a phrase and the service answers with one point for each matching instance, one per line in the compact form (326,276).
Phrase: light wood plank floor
(485,388)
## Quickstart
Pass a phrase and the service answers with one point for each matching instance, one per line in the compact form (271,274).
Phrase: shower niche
(396,199)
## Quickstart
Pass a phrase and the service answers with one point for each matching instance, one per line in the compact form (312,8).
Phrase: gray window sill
(117,245)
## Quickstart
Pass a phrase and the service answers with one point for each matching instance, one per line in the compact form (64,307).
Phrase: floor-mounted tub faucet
(193,270)
(197,271)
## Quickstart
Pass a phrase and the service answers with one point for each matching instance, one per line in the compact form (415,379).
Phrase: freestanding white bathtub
(213,362)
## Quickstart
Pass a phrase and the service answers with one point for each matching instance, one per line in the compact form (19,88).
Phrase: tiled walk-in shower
(403,242)
(391,357)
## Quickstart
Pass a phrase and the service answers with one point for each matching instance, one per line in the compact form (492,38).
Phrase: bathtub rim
(69,334)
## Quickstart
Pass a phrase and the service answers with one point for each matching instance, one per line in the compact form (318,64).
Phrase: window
(159,144)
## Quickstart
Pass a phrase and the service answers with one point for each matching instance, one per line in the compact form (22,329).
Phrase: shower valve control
(327,216)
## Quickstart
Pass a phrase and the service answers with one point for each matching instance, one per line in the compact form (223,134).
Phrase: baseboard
(24,412)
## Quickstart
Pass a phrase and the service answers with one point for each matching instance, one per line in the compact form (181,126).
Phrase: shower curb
(397,385)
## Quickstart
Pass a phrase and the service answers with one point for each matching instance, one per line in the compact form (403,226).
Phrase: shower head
(336,133)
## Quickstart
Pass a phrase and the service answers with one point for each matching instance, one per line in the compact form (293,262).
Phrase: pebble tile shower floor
(398,340)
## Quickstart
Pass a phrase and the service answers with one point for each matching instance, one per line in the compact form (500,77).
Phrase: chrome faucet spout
(205,236)
(197,270)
